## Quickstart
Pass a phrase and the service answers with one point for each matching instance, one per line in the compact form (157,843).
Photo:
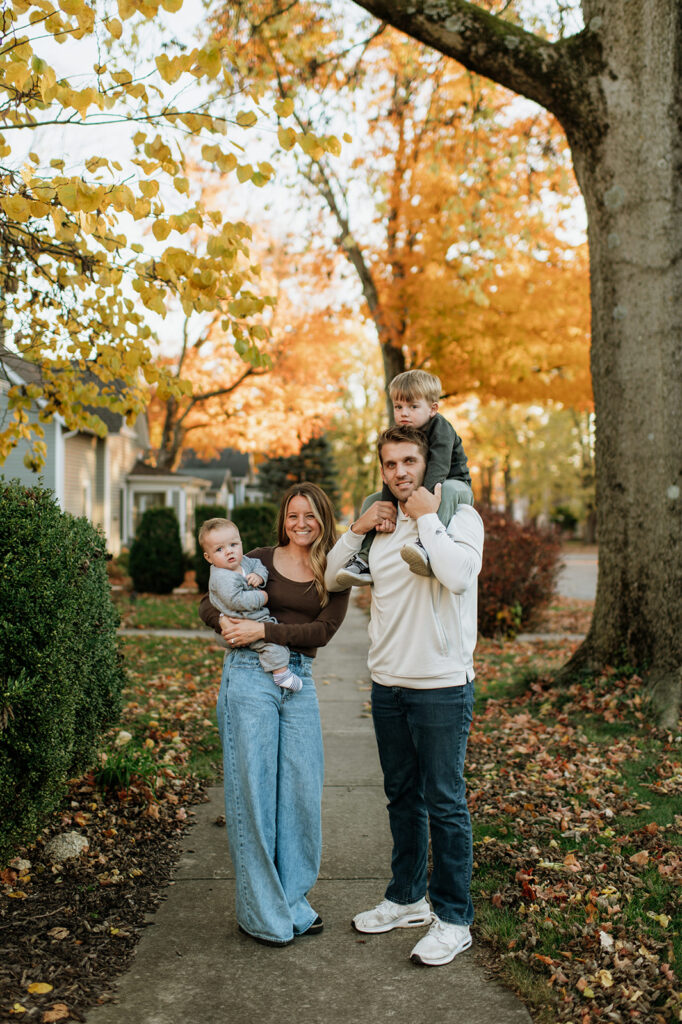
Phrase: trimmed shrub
(201,567)
(520,566)
(157,562)
(256,524)
(61,675)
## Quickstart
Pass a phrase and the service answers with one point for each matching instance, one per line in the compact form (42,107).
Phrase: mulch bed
(67,931)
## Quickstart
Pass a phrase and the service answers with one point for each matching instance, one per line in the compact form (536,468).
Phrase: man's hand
(254,580)
(380,516)
(421,502)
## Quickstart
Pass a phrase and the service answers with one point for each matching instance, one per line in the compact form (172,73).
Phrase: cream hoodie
(422,630)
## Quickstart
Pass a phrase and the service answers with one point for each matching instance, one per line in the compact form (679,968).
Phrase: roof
(238,464)
(143,469)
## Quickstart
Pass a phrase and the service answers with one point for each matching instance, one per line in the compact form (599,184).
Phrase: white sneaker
(441,944)
(416,557)
(388,915)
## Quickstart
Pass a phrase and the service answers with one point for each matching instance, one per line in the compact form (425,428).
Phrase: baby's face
(414,413)
(223,548)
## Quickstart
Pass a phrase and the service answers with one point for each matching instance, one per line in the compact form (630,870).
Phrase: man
(422,635)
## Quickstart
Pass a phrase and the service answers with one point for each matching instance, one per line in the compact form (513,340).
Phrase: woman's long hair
(323,510)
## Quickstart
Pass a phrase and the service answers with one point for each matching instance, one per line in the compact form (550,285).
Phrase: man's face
(402,468)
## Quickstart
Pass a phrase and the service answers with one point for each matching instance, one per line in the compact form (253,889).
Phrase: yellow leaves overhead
(78,288)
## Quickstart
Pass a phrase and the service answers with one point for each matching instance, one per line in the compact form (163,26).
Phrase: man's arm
(455,554)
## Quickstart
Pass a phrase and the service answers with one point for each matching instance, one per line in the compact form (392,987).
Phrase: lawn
(577,810)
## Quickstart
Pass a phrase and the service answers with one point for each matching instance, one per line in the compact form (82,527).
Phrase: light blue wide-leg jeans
(273,774)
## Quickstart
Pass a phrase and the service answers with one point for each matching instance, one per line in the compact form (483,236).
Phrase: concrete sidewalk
(192,966)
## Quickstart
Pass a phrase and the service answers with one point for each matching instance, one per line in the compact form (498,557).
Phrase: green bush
(157,562)
(201,567)
(256,524)
(520,566)
(61,675)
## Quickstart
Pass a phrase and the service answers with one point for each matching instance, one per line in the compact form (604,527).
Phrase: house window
(142,500)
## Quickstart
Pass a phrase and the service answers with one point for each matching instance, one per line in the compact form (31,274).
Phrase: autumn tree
(439,209)
(270,404)
(619,107)
(80,271)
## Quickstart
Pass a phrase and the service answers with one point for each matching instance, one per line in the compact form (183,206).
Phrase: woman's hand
(241,632)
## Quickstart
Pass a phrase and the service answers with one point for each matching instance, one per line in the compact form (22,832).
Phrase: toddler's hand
(385,526)
(254,580)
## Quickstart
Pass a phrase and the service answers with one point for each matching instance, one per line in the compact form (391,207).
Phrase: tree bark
(616,89)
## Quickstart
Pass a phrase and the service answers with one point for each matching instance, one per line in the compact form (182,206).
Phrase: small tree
(314,463)
(157,563)
(256,524)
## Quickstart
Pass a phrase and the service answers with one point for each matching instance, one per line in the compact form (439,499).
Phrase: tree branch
(555,75)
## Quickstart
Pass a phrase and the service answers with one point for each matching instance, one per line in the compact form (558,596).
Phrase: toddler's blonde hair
(413,385)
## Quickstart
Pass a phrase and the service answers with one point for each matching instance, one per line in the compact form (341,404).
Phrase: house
(86,473)
(147,487)
(231,477)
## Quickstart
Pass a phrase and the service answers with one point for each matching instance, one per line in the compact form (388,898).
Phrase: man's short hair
(213,524)
(412,385)
(403,435)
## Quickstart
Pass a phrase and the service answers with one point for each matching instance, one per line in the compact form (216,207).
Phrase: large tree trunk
(616,89)
(631,181)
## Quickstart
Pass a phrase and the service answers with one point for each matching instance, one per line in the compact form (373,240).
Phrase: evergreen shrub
(257,524)
(201,567)
(61,674)
(520,567)
(157,562)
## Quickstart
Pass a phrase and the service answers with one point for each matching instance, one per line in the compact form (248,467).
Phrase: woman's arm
(317,633)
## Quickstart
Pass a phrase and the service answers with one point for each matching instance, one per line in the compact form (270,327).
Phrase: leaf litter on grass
(578,875)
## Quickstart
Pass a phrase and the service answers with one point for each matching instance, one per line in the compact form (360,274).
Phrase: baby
(233,588)
(415,395)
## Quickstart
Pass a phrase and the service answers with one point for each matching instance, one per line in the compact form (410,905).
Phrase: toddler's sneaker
(416,557)
(388,915)
(355,573)
(288,680)
(441,944)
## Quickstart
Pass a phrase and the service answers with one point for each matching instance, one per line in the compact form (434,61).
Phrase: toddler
(233,588)
(415,395)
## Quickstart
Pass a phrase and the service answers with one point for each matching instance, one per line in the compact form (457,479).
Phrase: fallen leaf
(39,988)
(18,1008)
(59,1011)
(641,859)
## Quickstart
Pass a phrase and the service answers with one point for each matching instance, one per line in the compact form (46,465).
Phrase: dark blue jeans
(422,738)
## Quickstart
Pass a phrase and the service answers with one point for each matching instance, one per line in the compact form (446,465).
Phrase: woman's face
(300,524)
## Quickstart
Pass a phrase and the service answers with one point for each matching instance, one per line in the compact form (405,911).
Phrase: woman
(272,739)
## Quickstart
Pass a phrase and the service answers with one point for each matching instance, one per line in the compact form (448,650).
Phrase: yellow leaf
(244,172)
(287,137)
(246,119)
(114,27)
(160,230)
(18,1008)
(181,185)
(39,988)
(284,108)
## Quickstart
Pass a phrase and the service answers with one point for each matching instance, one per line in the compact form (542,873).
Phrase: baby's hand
(254,580)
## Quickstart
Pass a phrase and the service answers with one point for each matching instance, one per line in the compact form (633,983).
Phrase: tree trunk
(616,89)
(631,182)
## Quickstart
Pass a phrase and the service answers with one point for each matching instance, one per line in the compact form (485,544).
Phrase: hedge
(157,561)
(61,674)
(520,566)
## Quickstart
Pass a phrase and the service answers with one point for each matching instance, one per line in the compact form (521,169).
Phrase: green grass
(158,611)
